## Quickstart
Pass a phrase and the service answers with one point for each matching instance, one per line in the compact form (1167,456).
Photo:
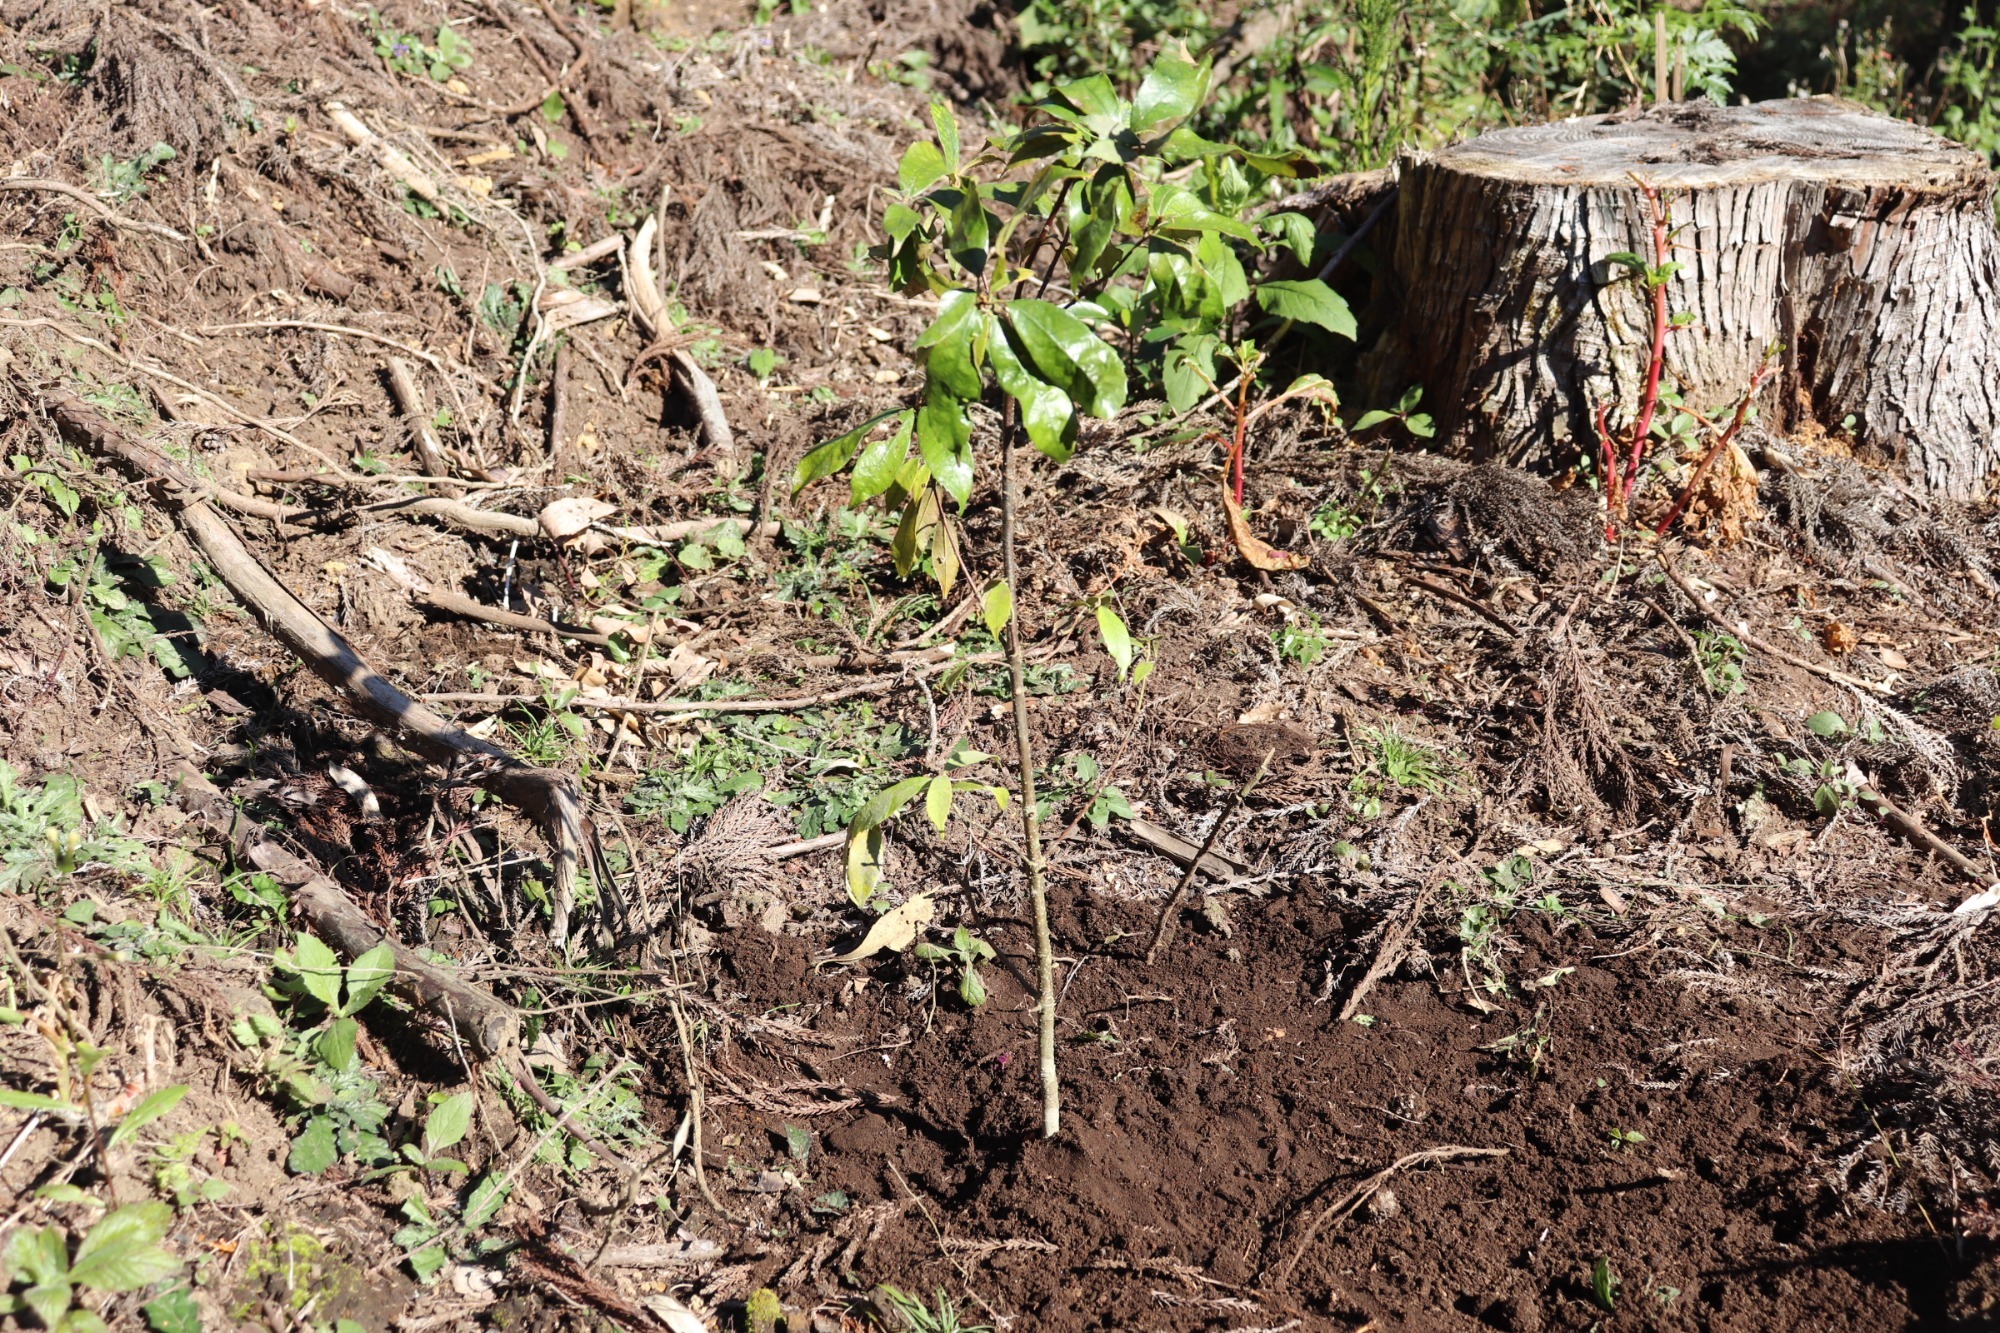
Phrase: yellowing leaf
(997,608)
(937,801)
(895,930)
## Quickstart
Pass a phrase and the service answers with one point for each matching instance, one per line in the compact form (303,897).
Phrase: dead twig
(1164,927)
(403,384)
(1741,630)
(1367,1189)
(103,210)
(481,1019)
(1910,827)
(549,797)
(1391,952)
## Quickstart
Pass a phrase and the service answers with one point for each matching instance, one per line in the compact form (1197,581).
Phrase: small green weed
(121,1253)
(125,178)
(1625,1139)
(443,58)
(1719,657)
(922,1318)
(44,833)
(967,952)
(1301,640)
(1388,760)
(118,591)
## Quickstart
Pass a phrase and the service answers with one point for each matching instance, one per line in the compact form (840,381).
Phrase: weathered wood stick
(548,797)
(487,1024)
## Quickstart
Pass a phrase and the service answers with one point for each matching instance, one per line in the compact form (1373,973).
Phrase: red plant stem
(1236,449)
(1656,362)
(1764,372)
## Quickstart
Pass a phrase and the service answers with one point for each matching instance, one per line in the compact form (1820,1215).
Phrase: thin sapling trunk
(1031,823)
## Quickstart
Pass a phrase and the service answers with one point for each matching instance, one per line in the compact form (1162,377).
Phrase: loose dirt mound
(1559,972)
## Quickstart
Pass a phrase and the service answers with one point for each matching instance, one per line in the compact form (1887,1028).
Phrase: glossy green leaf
(1369,420)
(1065,352)
(172,1312)
(899,220)
(334,1047)
(944,435)
(921,167)
(1047,414)
(1172,90)
(448,1122)
(37,1255)
(1117,638)
(367,975)
(1295,230)
(968,231)
(947,131)
(971,988)
(1288,165)
(319,970)
(155,1104)
(1308,301)
(875,470)
(832,456)
(952,345)
(1185,145)
(1176,208)
(1827,724)
(1095,96)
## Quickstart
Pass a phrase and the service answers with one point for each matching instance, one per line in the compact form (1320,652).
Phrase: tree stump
(1864,245)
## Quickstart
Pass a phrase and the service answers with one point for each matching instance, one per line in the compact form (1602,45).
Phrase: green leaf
(33,1101)
(953,343)
(155,1105)
(997,608)
(967,232)
(921,167)
(944,435)
(448,1123)
(947,131)
(1372,419)
(1173,88)
(864,863)
(1094,96)
(798,1143)
(335,1046)
(314,1150)
(173,1312)
(37,1255)
(971,988)
(1827,724)
(1046,411)
(832,456)
(899,220)
(122,1253)
(319,970)
(1627,258)
(428,1262)
(1117,638)
(937,801)
(1308,301)
(1295,230)
(367,975)
(1064,350)
(875,470)
(1176,208)
(485,1199)
(1420,425)
(49,1301)
(886,804)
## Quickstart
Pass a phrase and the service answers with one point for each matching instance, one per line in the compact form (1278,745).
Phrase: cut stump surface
(1864,245)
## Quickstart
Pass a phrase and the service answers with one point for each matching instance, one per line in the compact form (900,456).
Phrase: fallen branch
(273,325)
(1168,843)
(1368,1188)
(457,604)
(103,210)
(1910,827)
(484,1022)
(549,797)
(1742,631)
(391,158)
(403,384)
(1458,598)
(1164,927)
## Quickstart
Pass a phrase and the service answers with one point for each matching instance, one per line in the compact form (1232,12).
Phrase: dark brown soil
(1559,880)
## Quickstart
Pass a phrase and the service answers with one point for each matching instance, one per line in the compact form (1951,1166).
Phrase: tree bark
(1864,245)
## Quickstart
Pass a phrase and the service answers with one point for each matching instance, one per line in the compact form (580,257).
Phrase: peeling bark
(1865,245)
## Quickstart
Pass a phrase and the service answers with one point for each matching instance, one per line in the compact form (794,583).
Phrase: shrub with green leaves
(1113,204)
(44,833)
